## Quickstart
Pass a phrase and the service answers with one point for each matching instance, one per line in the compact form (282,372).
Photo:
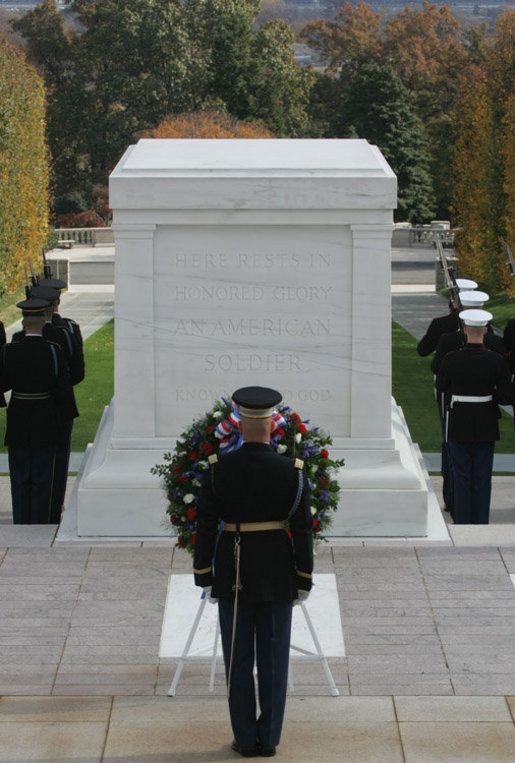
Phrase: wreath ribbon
(228,431)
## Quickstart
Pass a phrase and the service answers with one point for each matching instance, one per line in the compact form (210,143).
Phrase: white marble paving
(183,601)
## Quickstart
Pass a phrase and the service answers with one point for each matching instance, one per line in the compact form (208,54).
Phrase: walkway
(428,672)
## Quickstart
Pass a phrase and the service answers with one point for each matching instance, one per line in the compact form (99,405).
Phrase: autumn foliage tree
(24,165)
(484,165)
(207,124)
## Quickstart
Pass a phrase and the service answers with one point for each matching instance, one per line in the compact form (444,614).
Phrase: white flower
(217,414)
(188,498)
(201,464)
(313,511)
(197,483)
(298,437)
(282,448)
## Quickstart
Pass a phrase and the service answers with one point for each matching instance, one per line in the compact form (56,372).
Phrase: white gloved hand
(302,596)
(207,591)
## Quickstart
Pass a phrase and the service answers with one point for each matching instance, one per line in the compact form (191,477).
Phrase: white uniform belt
(471,399)
(249,527)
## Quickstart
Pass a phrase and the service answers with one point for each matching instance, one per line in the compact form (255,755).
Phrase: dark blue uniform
(41,401)
(473,381)
(252,485)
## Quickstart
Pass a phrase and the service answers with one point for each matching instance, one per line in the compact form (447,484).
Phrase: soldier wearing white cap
(471,382)
(473,300)
(445,324)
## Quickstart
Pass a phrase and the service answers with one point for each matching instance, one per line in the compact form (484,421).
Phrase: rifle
(47,270)
(33,278)
(27,285)
(448,271)
(510,261)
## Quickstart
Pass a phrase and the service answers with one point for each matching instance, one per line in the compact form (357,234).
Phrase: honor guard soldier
(445,324)
(253,568)
(3,338)
(41,400)
(472,381)
(77,370)
(61,336)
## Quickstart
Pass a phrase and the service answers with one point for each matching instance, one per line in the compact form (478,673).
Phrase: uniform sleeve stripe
(202,572)
(304,575)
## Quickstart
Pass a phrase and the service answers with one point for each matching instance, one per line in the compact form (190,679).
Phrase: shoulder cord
(300,485)
(56,365)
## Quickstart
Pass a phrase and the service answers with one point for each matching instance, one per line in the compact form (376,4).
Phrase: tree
(483,166)
(207,124)
(280,91)
(378,107)
(24,169)
(136,62)
(353,38)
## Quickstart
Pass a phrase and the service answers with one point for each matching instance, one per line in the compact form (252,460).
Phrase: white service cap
(464,284)
(475,317)
(473,298)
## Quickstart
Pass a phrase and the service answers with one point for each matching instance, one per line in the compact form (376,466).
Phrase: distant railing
(68,237)
(409,235)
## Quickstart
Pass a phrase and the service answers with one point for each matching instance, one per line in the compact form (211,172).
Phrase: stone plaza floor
(428,628)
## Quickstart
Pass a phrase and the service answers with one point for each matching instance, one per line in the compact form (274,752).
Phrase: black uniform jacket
(3,338)
(446,324)
(449,342)
(34,365)
(77,366)
(63,337)
(254,484)
(478,372)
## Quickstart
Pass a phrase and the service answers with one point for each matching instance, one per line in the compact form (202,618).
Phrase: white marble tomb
(252,262)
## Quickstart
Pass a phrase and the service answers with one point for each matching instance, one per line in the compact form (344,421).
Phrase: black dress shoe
(266,752)
(246,752)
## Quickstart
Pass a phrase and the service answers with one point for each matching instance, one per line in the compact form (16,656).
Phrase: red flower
(324,483)
(302,428)
(317,525)
(209,428)
(182,478)
(191,513)
(279,432)
(193,455)
(181,542)
(176,468)
(207,448)
(324,453)
(295,417)
(193,539)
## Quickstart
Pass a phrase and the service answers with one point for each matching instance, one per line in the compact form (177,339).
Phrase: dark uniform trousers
(472,464)
(270,623)
(32,478)
(252,485)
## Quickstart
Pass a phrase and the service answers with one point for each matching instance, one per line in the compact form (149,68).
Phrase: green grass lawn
(412,384)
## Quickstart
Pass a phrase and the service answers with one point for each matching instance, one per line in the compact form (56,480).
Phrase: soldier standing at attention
(41,400)
(61,336)
(258,572)
(77,371)
(473,380)
(3,338)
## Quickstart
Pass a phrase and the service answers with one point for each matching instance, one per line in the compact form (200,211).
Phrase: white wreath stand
(318,653)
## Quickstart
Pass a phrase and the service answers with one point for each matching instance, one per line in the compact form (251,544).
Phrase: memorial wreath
(218,432)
